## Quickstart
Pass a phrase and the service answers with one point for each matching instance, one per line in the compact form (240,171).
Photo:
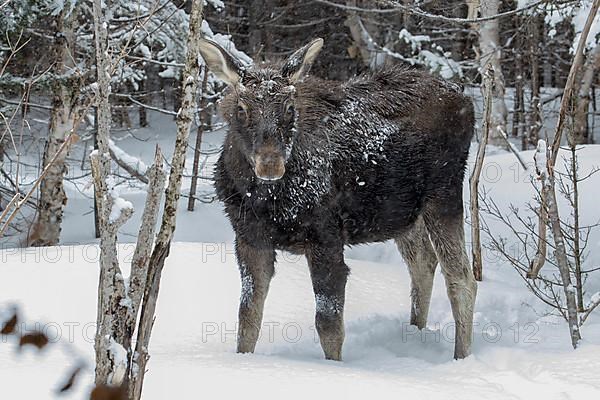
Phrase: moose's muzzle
(269,164)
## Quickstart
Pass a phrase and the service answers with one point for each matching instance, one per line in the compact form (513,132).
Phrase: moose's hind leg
(417,251)
(256,264)
(447,235)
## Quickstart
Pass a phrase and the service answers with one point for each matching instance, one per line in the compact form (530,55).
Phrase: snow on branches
(156,33)
(573,12)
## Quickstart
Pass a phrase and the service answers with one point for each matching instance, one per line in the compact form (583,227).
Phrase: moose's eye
(289,111)
(241,112)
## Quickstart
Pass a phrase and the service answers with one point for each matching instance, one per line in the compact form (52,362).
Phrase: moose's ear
(299,63)
(226,67)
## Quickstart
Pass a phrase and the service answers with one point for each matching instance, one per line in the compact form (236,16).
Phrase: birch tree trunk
(66,85)
(581,132)
(550,187)
(490,54)
(118,304)
(116,362)
(162,247)
(111,335)
(560,253)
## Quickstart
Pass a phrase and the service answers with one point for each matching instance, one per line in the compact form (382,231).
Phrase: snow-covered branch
(134,166)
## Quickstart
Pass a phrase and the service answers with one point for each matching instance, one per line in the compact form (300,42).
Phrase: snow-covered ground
(193,341)
(518,352)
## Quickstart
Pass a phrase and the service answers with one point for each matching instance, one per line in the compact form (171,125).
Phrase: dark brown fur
(379,157)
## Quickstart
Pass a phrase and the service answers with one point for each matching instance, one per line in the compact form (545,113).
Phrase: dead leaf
(10,325)
(37,339)
(71,381)
(105,392)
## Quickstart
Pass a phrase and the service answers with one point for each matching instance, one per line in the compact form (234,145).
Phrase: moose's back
(400,138)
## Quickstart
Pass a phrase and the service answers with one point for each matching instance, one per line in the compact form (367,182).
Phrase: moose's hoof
(334,357)
(245,347)
(459,354)
(332,350)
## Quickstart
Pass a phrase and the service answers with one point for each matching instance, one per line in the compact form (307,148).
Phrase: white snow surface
(193,343)
(518,353)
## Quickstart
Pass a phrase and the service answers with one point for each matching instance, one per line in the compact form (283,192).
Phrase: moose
(310,166)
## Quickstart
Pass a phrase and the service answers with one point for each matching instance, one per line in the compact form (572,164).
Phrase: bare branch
(488,83)
(22,200)
(397,7)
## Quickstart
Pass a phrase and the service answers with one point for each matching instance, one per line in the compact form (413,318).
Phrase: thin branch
(68,141)
(591,308)
(415,10)
(27,103)
(134,101)
(488,78)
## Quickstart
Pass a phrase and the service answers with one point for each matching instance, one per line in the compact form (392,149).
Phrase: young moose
(310,166)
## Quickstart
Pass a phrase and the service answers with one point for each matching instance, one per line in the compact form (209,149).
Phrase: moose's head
(261,107)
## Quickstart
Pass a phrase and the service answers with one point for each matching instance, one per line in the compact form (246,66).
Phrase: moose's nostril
(269,166)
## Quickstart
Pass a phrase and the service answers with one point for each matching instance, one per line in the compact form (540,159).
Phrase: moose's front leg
(256,262)
(329,274)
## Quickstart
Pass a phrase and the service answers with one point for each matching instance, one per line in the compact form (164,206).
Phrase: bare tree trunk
(595,111)
(142,114)
(489,45)
(560,250)
(118,304)
(116,362)
(194,183)
(560,253)
(518,99)
(52,197)
(540,168)
(363,41)
(581,133)
(576,227)
(488,78)
(406,16)
(472,7)
(96,217)
(165,235)
(256,16)
(111,335)
(143,248)
(461,38)
(177,93)
(163,91)
(519,103)
(535,116)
